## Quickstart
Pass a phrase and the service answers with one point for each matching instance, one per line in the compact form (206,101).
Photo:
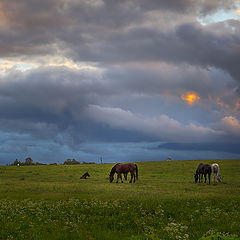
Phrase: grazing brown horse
(85,175)
(124,168)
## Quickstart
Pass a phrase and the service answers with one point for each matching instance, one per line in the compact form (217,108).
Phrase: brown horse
(85,175)
(124,168)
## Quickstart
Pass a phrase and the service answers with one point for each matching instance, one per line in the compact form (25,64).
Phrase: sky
(121,80)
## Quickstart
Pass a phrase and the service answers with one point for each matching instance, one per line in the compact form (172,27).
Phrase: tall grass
(51,202)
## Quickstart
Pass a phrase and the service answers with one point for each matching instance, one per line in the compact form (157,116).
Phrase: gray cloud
(210,48)
(162,127)
(52,103)
(68,105)
(113,31)
(141,56)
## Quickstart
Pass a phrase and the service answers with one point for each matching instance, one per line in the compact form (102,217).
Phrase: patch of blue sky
(24,67)
(7,65)
(220,16)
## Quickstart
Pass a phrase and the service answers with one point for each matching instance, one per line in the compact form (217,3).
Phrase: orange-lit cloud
(232,124)
(190,97)
(231,121)
(238,11)
(236,105)
(233,107)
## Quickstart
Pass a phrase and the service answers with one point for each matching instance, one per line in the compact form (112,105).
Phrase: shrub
(71,162)
(28,161)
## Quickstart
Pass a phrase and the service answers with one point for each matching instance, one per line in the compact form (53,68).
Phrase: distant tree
(71,162)
(28,161)
(16,163)
(88,162)
(38,163)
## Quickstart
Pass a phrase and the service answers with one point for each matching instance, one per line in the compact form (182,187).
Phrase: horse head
(196,177)
(111,178)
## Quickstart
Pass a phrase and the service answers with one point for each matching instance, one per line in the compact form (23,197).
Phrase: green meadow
(52,202)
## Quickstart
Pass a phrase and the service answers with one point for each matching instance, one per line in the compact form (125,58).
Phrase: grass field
(51,202)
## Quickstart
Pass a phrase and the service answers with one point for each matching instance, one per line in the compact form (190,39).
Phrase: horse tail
(136,171)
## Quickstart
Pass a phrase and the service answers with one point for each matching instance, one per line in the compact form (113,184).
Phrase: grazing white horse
(215,171)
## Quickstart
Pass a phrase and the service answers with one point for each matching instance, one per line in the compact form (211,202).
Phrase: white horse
(215,171)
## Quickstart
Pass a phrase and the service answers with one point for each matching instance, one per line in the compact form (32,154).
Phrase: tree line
(28,161)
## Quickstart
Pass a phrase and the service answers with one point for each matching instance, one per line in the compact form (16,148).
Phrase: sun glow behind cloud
(232,124)
(190,97)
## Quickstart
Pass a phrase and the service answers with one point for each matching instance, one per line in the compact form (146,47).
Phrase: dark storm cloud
(27,10)
(168,79)
(140,49)
(208,47)
(52,103)
(50,89)
(42,101)
(73,106)
(115,31)
(200,7)
(65,105)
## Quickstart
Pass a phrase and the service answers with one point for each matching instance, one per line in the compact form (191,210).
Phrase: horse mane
(113,170)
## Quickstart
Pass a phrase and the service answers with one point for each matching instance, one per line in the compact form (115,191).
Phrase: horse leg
(134,177)
(218,178)
(131,177)
(205,179)
(209,176)
(119,176)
